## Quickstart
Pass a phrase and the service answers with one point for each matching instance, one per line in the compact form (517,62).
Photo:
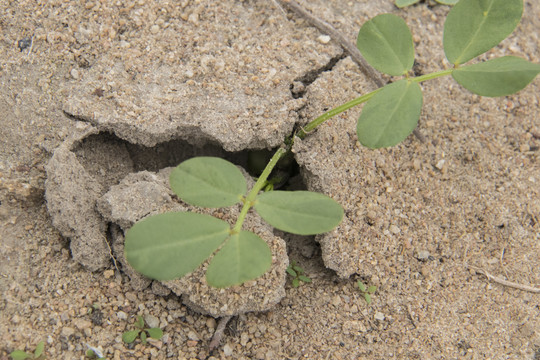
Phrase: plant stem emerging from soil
(261,182)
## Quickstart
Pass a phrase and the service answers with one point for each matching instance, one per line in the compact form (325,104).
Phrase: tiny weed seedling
(142,332)
(297,274)
(171,245)
(37,354)
(404,3)
(367,291)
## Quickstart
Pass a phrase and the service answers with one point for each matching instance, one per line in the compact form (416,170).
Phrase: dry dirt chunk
(71,194)
(224,79)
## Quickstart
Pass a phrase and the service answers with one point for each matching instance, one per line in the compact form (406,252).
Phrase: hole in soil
(109,159)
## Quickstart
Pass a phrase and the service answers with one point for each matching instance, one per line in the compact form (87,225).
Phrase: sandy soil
(447,310)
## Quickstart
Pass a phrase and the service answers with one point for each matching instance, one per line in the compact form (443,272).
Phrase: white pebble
(440,164)
(121,315)
(75,74)
(227,350)
(324,39)
(379,316)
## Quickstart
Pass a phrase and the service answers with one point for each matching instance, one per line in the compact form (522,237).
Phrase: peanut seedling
(171,245)
(142,332)
(22,355)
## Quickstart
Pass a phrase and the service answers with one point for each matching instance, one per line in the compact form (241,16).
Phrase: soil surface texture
(99,98)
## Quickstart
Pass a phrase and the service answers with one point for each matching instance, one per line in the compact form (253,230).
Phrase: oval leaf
(39,349)
(403,3)
(299,212)
(497,77)
(155,333)
(390,115)
(168,246)
(19,355)
(208,182)
(473,27)
(448,2)
(130,336)
(244,257)
(386,43)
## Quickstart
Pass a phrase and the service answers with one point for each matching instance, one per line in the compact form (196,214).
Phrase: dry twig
(218,334)
(503,282)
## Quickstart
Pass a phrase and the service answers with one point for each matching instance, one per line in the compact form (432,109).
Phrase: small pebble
(227,350)
(394,229)
(324,39)
(68,331)
(121,315)
(440,164)
(211,323)
(75,74)
(192,335)
(107,274)
(379,316)
(151,321)
(423,255)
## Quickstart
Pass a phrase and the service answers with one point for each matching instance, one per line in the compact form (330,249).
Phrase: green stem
(432,75)
(331,113)
(261,181)
(359,100)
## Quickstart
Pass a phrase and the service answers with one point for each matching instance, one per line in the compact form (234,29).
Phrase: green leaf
(403,3)
(143,337)
(299,212)
(497,77)
(473,27)
(130,336)
(295,282)
(368,298)
(170,245)
(155,333)
(19,355)
(291,272)
(361,286)
(208,182)
(244,257)
(39,349)
(140,322)
(390,115)
(304,278)
(447,2)
(372,289)
(386,43)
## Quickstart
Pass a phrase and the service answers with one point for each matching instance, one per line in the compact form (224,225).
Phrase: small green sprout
(142,332)
(297,274)
(22,355)
(404,3)
(366,291)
